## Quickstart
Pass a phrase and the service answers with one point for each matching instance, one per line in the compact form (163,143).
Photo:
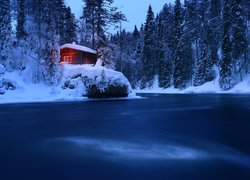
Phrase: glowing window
(67,59)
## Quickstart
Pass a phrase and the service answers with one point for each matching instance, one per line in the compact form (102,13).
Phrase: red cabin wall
(78,57)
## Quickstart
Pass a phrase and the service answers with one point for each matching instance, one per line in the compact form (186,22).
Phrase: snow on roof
(78,47)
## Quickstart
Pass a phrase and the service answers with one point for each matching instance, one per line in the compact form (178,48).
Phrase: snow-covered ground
(207,88)
(26,91)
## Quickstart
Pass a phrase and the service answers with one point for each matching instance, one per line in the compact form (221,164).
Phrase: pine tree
(70,27)
(139,59)
(20,28)
(179,64)
(5,33)
(204,71)
(149,59)
(239,40)
(60,17)
(225,80)
(159,51)
(207,45)
(98,15)
(214,23)
(43,38)
(89,17)
(192,24)
(136,33)
(166,16)
(163,53)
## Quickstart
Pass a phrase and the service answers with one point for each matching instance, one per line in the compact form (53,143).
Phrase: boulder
(95,82)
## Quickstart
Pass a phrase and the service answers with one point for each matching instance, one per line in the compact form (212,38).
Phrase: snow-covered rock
(95,81)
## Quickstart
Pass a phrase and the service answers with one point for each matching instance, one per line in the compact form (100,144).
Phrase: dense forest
(187,45)
(183,45)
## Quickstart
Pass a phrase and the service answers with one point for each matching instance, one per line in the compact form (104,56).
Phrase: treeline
(187,45)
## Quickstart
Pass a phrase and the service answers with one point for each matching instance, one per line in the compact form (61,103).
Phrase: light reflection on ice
(115,149)
(129,150)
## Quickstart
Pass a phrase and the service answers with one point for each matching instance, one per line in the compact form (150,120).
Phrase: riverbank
(74,86)
(207,88)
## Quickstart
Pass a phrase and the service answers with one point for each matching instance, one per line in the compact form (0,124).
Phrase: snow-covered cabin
(76,54)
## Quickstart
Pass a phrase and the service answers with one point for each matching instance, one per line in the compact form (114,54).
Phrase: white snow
(207,88)
(29,92)
(99,62)
(2,69)
(93,71)
(78,47)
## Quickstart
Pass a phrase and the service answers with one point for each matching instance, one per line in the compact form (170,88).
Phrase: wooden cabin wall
(78,57)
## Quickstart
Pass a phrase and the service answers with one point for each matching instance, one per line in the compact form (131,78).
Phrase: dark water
(158,138)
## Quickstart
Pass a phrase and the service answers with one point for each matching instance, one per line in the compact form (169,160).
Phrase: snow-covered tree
(98,16)
(149,58)
(239,40)
(70,27)
(21,15)
(179,64)
(225,80)
(5,34)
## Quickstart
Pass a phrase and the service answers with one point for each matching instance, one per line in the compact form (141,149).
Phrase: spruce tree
(5,33)
(60,18)
(214,22)
(136,33)
(239,40)
(139,59)
(179,64)
(204,70)
(225,80)
(192,24)
(70,27)
(149,59)
(20,28)
(166,16)
(98,15)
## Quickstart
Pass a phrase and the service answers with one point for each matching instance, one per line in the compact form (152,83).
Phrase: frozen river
(162,137)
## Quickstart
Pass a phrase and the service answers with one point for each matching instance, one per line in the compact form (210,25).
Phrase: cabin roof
(78,47)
